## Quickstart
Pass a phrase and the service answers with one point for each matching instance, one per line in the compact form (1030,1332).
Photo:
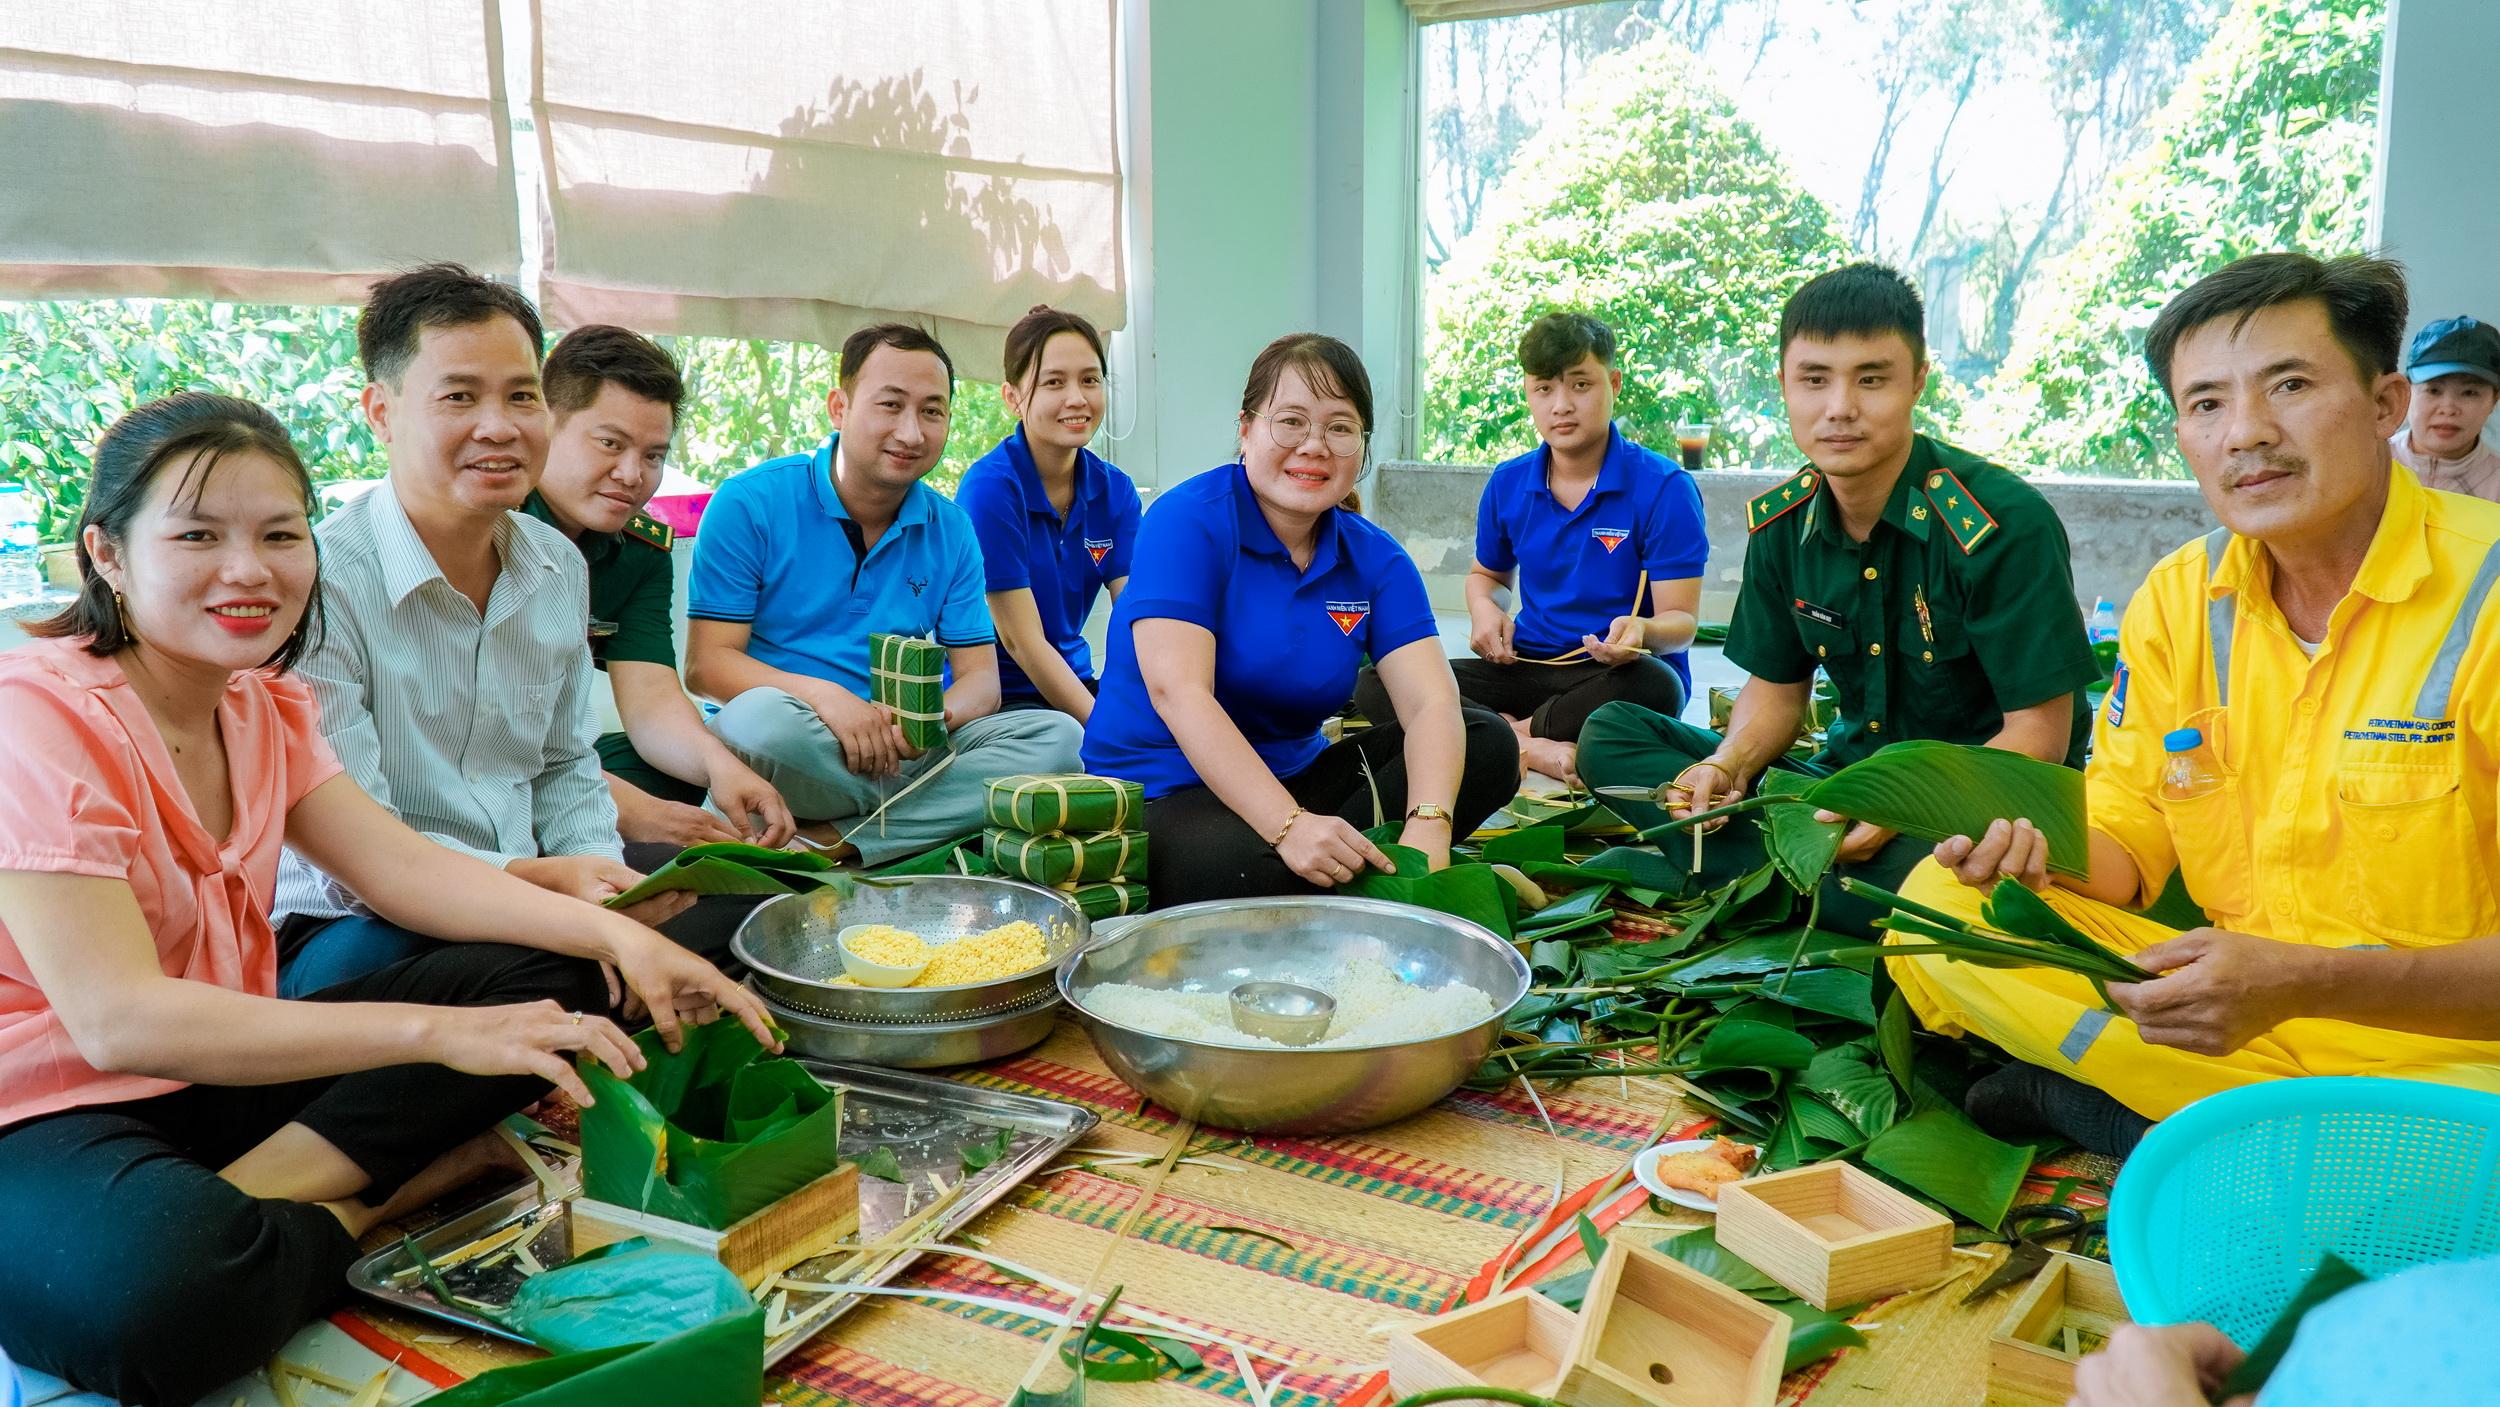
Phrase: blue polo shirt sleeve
(1401,609)
(1126,510)
(964,613)
(1493,545)
(728,577)
(998,525)
(1179,569)
(1675,540)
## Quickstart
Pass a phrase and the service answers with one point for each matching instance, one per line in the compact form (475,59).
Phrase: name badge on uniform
(1348,614)
(1818,614)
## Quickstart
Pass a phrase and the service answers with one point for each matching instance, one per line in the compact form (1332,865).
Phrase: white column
(2438,206)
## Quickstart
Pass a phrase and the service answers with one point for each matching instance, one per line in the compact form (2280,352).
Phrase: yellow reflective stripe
(2441,681)
(2221,614)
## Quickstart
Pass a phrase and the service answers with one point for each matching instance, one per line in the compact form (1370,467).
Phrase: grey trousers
(790,747)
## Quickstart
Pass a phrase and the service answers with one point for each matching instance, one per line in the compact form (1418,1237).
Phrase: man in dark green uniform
(1935,589)
(615,397)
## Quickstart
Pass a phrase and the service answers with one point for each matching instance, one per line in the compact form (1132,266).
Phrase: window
(2049,173)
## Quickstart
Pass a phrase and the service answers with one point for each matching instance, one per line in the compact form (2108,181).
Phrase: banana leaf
(1528,845)
(728,868)
(1766,953)
(2332,1277)
(626,1293)
(1470,891)
(1942,1155)
(720,1364)
(1801,846)
(1834,991)
(955,857)
(1850,1077)
(1935,791)
(1892,1037)
(710,1135)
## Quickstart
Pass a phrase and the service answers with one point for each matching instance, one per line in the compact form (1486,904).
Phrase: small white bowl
(875,974)
(1645,1172)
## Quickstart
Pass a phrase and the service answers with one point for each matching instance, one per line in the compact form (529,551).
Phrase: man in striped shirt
(452,672)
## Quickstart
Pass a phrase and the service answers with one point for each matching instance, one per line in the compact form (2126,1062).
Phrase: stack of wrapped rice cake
(1075,833)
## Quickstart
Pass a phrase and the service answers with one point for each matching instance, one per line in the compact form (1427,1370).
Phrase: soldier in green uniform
(1935,589)
(615,397)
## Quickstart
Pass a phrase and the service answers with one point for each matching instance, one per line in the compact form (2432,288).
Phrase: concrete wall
(2119,527)
(2438,206)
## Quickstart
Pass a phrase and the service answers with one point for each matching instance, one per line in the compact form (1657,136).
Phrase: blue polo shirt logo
(1348,614)
(1096,546)
(1611,537)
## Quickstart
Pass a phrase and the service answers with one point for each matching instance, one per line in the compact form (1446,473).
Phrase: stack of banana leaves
(1793,1035)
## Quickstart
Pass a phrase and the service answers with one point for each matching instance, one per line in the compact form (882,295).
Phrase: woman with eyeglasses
(186,1160)
(1254,600)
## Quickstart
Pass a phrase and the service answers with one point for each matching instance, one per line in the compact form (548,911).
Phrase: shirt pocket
(524,714)
(2413,857)
(1937,669)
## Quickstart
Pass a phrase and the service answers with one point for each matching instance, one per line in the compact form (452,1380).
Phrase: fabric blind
(796,169)
(252,150)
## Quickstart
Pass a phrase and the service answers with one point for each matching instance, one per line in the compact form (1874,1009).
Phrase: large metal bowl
(788,943)
(1213,947)
(918,1045)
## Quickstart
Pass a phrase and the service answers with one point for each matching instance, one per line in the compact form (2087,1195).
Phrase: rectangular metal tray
(927,1121)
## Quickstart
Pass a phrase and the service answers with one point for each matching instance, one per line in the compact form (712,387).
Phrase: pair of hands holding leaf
(2208,991)
(1710,784)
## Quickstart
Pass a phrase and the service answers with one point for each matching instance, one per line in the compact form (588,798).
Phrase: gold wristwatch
(1429,812)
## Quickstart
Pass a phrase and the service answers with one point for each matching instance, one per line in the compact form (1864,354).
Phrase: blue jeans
(340,950)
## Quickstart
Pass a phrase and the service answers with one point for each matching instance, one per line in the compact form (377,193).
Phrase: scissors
(2036,1230)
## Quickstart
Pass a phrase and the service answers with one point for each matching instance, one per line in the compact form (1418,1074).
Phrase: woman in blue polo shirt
(1057,525)
(1605,543)
(1254,601)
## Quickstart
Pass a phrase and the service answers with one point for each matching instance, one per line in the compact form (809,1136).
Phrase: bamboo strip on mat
(1385,1226)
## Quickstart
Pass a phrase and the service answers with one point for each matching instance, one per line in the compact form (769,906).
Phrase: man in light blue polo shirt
(1605,542)
(800,559)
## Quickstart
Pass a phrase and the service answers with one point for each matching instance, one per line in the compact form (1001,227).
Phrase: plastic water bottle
(2104,621)
(2190,770)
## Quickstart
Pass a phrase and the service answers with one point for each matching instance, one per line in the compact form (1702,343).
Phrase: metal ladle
(1284,1012)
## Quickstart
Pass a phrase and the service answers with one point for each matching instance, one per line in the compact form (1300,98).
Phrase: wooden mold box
(1657,1333)
(809,1222)
(1833,1234)
(2027,1359)
(1519,1340)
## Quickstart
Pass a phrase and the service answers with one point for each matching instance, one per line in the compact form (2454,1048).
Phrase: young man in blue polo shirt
(1606,543)
(800,559)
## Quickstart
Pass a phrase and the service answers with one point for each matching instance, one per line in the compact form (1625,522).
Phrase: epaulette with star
(1958,510)
(651,532)
(1795,493)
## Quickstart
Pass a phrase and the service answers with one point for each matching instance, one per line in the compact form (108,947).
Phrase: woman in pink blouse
(185,1160)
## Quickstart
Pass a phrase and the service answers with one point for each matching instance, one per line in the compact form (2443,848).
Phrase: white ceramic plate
(1645,1172)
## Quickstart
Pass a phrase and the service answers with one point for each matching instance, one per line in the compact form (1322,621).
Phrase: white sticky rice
(1374,1007)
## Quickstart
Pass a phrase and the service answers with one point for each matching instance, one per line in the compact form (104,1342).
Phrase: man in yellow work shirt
(2330,644)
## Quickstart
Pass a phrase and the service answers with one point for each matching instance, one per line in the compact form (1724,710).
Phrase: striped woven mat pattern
(1304,1251)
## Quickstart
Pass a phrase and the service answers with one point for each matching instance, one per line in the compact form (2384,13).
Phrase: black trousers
(1555,698)
(128,1267)
(1198,849)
